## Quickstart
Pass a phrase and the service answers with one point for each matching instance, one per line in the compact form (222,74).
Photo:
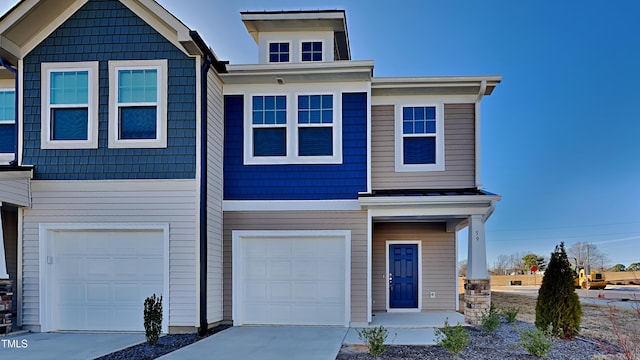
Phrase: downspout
(204,324)
(4,64)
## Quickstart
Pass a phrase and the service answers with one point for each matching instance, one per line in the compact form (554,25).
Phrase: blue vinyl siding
(105,30)
(7,138)
(297,182)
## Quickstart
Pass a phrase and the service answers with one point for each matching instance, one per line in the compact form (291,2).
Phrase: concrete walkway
(266,342)
(37,346)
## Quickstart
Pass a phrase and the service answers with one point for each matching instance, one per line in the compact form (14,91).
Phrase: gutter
(4,64)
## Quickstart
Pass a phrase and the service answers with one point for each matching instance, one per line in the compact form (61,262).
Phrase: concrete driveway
(266,342)
(36,346)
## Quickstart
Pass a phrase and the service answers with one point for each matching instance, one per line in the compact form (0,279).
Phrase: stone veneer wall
(477,298)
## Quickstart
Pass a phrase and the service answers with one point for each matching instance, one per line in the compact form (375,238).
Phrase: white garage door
(101,278)
(292,281)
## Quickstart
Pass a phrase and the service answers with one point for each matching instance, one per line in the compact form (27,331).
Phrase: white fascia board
(16,175)
(291,205)
(293,15)
(237,71)
(439,212)
(433,99)
(394,201)
(384,82)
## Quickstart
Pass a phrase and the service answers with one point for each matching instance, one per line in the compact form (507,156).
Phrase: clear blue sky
(560,134)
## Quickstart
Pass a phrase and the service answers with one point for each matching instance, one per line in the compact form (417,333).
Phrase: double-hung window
(279,52)
(419,138)
(315,125)
(69,110)
(312,51)
(269,126)
(7,123)
(137,104)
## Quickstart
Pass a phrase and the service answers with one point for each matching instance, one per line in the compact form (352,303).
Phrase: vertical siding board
(88,35)
(459,123)
(121,202)
(298,182)
(355,221)
(438,262)
(215,138)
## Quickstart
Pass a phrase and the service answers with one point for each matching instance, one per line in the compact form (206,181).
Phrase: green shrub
(375,338)
(491,319)
(452,338)
(510,313)
(558,304)
(537,342)
(153,318)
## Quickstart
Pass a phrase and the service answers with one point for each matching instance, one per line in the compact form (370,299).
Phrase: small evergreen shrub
(491,319)
(375,338)
(452,338)
(558,304)
(537,342)
(510,313)
(153,318)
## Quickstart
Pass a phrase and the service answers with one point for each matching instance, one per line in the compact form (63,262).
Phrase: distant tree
(558,304)
(586,254)
(530,260)
(462,268)
(634,267)
(617,268)
(501,266)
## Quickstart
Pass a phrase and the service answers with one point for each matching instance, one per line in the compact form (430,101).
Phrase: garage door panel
(101,278)
(287,280)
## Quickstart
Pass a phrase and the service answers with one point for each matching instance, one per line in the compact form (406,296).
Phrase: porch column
(477,287)
(3,259)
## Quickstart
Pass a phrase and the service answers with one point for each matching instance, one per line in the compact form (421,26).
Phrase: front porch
(416,328)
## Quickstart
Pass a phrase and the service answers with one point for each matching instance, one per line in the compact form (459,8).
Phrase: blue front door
(403,276)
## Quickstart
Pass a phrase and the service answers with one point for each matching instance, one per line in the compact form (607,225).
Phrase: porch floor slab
(426,319)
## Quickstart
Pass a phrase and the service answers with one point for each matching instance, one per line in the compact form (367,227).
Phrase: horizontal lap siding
(459,124)
(215,137)
(118,202)
(438,262)
(355,221)
(15,191)
(298,181)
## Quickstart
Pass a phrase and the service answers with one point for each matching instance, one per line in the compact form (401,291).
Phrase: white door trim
(238,264)
(46,231)
(409,242)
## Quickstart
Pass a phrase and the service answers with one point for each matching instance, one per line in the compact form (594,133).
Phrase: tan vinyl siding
(355,221)
(215,137)
(120,202)
(15,191)
(438,262)
(459,143)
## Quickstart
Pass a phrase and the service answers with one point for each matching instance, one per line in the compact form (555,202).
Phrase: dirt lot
(597,320)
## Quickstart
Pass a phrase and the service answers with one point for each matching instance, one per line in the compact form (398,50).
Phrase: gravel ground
(502,344)
(165,345)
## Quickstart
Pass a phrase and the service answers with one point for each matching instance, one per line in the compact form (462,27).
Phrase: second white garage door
(100,278)
(290,280)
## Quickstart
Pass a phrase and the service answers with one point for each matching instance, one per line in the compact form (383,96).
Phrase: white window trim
(292,126)
(45,110)
(5,158)
(161,111)
(324,55)
(279,42)
(399,139)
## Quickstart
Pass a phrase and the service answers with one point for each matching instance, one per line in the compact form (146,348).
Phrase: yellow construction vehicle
(594,280)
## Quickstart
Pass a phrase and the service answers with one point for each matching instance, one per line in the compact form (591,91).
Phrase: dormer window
(279,52)
(312,51)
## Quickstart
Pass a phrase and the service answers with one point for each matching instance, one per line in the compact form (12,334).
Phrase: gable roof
(29,22)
